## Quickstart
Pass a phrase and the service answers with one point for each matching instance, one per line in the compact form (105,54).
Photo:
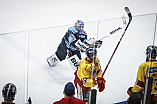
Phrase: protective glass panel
(12,63)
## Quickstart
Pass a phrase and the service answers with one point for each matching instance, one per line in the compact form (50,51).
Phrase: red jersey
(71,100)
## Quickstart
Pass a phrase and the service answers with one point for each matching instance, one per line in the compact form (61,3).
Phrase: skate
(52,60)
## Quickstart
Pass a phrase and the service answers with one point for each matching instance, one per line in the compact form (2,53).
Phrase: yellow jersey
(89,70)
(145,69)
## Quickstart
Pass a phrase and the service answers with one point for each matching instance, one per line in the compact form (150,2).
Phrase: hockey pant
(154,98)
(62,52)
(82,92)
(140,95)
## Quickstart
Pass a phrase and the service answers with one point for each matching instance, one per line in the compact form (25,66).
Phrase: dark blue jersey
(72,36)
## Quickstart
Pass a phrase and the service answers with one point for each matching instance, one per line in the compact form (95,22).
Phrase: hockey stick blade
(130,18)
(119,28)
(128,12)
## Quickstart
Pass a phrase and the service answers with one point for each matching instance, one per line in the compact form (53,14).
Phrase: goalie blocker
(83,47)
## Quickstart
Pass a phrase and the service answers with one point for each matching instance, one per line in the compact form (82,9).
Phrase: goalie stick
(130,18)
(97,43)
(112,32)
(117,29)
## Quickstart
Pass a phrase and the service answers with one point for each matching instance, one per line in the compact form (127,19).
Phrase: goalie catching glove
(96,44)
(101,83)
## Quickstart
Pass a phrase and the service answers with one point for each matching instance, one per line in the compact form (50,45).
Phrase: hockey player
(74,41)
(8,93)
(88,75)
(145,69)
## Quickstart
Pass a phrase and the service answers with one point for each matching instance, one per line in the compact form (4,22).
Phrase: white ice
(23,54)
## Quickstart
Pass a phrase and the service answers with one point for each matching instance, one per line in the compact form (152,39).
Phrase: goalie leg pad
(53,60)
(74,62)
(61,52)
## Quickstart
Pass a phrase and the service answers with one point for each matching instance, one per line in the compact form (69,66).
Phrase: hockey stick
(112,32)
(117,29)
(99,41)
(130,18)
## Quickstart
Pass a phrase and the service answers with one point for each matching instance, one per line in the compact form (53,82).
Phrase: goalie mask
(9,91)
(91,52)
(79,25)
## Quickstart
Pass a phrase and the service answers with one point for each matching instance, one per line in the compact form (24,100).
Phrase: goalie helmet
(91,52)
(9,91)
(79,25)
(152,51)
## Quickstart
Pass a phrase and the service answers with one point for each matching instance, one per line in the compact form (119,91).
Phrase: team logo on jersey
(81,36)
(152,70)
(85,33)
(86,96)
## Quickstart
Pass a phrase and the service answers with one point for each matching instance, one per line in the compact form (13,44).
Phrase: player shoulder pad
(97,60)
(143,65)
(73,29)
(83,32)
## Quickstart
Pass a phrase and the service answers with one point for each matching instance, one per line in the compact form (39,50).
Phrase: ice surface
(23,60)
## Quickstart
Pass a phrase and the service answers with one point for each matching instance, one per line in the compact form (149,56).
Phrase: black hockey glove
(135,98)
(129,91)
